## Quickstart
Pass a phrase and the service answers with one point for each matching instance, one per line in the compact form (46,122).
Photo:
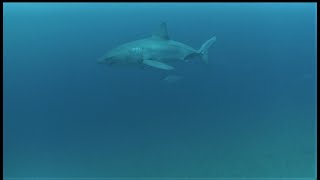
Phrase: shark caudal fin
(203,51)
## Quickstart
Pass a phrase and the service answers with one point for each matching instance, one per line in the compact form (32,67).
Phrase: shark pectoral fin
(157,64)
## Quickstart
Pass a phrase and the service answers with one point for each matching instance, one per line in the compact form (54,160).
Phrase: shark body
(158,51)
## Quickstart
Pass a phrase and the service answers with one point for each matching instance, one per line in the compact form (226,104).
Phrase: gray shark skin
(157,51)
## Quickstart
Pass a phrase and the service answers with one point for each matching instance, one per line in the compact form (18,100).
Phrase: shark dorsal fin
(162,33)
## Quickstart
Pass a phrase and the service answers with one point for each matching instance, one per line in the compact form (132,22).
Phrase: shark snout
(101,61)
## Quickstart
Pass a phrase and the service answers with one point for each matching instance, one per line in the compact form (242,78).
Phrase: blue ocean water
(250,112)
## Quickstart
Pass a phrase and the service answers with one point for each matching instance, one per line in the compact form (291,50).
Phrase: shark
(158,51)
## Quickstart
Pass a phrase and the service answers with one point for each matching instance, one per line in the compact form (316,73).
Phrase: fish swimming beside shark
(172,78)
(157,51)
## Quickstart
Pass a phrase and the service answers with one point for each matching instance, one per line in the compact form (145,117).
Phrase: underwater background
(249,113)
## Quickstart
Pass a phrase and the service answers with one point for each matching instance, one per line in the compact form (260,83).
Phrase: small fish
(172,78)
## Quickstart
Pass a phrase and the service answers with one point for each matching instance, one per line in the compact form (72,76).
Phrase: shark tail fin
(203,51)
